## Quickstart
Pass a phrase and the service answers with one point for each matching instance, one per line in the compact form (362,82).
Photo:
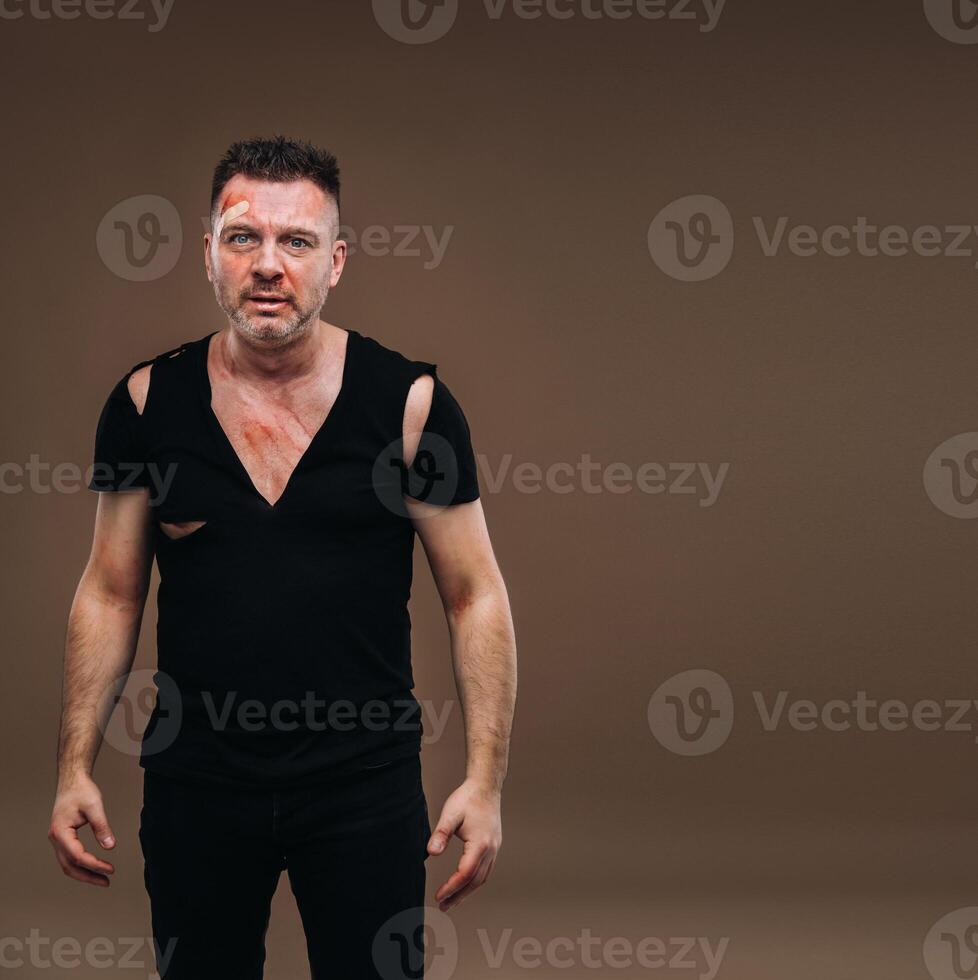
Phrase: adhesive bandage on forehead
(235,211)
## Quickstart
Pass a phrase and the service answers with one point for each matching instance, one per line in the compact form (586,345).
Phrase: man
(278,469)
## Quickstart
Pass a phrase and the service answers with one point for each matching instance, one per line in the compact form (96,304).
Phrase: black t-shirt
(283,633)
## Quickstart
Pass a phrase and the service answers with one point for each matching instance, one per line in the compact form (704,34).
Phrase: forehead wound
(234,207)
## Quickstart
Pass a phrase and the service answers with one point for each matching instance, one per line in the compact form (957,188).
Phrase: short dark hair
(279,159)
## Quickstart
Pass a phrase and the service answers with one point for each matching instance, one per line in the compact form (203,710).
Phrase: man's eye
(236,239)
(301,241)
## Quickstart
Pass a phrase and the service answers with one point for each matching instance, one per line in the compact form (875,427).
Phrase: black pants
(354,849)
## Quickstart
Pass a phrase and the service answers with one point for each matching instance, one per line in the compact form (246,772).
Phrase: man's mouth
(265,301)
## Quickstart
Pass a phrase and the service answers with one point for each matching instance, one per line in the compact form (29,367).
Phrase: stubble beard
(276,330)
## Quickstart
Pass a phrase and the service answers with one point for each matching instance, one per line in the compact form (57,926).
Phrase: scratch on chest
(269,441)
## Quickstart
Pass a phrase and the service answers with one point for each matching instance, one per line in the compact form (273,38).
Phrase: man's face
(278,241)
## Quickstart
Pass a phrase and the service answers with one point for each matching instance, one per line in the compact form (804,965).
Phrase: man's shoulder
(136,380)
(166,355)
(393,360)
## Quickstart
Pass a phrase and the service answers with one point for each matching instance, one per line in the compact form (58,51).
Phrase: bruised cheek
(230,264)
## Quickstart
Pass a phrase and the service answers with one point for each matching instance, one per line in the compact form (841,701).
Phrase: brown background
(823,568)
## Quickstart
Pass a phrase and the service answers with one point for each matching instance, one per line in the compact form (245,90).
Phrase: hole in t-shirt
(413,424)
(180,529)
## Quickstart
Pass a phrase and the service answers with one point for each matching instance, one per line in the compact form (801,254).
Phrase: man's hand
(76,804)
(471,812)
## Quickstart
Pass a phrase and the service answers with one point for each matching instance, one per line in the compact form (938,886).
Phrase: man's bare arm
(103,628)
(483,642)
(484,660)
(483,646)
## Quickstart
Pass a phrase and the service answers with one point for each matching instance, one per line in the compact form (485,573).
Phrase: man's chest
(270,437)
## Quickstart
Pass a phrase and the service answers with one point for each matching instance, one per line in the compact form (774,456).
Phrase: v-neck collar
(328,423)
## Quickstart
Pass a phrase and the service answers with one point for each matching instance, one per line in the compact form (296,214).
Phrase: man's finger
(80,874)
(485,869)
(95,814)
(452,898)
(468,865)
(447,826)
(462,893)
(75,852)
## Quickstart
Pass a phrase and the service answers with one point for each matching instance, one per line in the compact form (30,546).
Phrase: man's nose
(268,262)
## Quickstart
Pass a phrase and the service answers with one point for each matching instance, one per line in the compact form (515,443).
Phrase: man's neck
(305,357)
